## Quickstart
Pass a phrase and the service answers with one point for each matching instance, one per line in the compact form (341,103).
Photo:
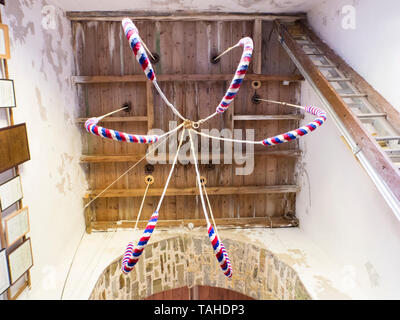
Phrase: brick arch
(188,260)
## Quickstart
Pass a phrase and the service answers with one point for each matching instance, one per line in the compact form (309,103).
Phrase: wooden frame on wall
(4,273)
(10,192)
(16,226)
(4,42)
(7,94)
(20,261)
(14,146)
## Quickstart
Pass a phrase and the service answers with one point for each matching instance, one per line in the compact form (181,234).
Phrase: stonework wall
(188,260)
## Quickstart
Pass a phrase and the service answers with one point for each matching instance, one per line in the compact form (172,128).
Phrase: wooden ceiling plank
(257,38)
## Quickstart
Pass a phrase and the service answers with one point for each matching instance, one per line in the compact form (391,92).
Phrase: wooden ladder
(375,122)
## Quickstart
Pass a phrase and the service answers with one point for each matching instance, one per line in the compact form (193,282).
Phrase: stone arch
(188,260)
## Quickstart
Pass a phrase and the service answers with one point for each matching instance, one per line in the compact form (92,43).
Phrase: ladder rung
(353,95)
(392,152)
(389,138)
(338,79)
(371,115)
(326,66)
(308,45)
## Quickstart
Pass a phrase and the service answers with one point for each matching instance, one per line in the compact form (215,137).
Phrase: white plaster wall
(53,182)
(372,48)
(341,210)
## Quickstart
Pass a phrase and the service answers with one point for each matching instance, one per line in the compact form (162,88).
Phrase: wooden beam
(110,158)
(88,216)
(268,117)
(201,157)
(177,16)
(264,222)
(379,160)
(183,77)
(257,38)
(117,119)
(155,192)
(150,105)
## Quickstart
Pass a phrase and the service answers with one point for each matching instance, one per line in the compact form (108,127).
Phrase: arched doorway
(199,293)
(187,260)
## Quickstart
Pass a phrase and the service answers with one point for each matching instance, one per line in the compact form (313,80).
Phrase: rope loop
(92,127)
(220,252)
(297,133)
(132,34)
(132,255)
(247,44)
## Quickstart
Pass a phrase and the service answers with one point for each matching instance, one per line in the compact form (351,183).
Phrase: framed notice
(16,225)
(7,93)
(10,192)
(14,146)
(4,275)
(4,42)
(20,260)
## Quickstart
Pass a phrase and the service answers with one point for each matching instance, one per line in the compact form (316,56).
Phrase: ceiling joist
(179,16)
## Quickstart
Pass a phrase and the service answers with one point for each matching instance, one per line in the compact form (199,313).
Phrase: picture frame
(4,42)
(7,94)
(4,273)
(20,261)
(16,226)
(10,192)
(14,146)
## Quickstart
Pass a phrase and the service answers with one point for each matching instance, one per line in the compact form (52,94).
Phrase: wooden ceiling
(107,75)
